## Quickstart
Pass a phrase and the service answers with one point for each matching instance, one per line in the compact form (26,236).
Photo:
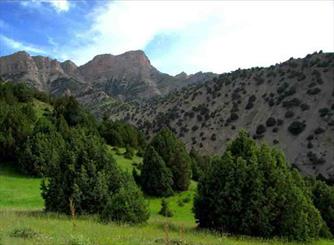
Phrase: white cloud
(17,46)
(60,5)
(57,5)
(214,36)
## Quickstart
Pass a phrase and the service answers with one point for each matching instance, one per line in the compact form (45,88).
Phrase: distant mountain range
(290,104)
(129,76)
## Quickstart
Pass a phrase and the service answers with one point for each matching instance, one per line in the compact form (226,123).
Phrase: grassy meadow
(22,220)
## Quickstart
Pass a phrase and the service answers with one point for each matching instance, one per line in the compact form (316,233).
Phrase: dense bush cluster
(17,117)
(250,190)
(63,145)
(166,166)
(121,134)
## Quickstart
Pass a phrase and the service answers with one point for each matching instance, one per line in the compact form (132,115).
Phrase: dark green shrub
(323,199)
(313,91)
(304,107)
(88,178)
(251,191)
(174,154)
(324,112)
(319,130)
(127,205)
(271,122)
(296,127)
(234,116)
(199,164)
(261,129)
(156,179)
(289,114)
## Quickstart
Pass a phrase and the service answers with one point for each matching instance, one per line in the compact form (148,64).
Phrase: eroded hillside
(289,104)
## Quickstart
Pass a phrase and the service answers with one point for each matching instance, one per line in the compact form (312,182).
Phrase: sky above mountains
(177,36)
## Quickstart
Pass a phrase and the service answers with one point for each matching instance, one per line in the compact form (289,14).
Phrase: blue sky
(177,36)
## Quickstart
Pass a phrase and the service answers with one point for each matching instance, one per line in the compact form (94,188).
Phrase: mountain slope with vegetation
(246,191)
(106,79)
(290,105)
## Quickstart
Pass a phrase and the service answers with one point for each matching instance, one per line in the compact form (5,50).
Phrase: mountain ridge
(126,76)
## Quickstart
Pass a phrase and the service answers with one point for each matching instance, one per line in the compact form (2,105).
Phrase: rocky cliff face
(290,105)
(128,76)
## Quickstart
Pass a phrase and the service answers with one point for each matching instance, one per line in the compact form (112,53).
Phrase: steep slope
(290,104)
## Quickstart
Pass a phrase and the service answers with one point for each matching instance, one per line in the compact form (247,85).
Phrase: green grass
(18,191)
(22,220)
(124,163)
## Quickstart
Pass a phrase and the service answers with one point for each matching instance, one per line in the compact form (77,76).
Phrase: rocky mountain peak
(68,66)
(181,75)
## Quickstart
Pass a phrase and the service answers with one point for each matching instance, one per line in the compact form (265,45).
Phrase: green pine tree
(156,178)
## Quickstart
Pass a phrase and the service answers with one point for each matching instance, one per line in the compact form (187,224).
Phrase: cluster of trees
(122,134)
(251,190)
(166,166)
(64,146)
(17,117)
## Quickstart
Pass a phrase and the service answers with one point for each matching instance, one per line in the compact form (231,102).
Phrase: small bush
(304,107)
(319,130)
(279,122)
(291,103)
(314,158)
(165,210)
(260,129)
(126,206)
(289,114)
(296,127)
(324,112)
(314,91)
(234,116)
(271,122)
(25,233)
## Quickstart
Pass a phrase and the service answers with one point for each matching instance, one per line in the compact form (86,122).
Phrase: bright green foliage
(251,191)
(165,210)
(174,153)
(156,178)
(127,205)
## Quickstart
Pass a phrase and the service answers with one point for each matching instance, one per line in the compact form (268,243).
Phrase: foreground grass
(54,229)
(22,220)
(18,191)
